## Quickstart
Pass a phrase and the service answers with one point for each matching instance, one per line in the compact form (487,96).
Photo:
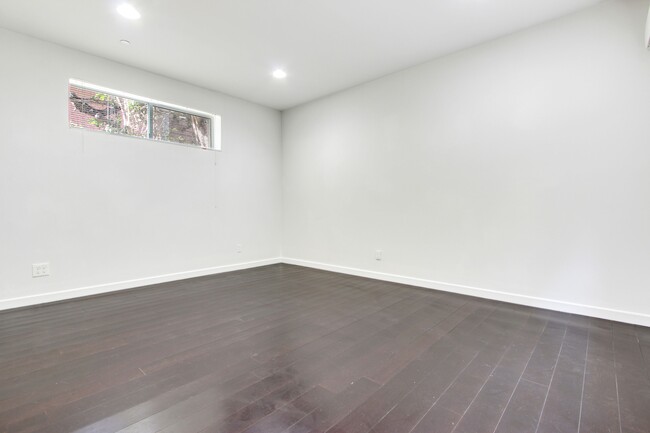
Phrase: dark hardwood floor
(295,350)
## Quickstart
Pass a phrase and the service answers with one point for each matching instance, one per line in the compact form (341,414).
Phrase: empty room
(309,216)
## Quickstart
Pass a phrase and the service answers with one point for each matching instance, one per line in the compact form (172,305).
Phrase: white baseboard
(62,295)
(514,298)
(550,304)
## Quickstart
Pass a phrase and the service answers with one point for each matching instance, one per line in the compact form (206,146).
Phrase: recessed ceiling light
(279,74)
(128,11)
(125,42)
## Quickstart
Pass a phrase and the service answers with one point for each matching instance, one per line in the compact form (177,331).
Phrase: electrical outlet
(239,248)
(40,270)
(379,255)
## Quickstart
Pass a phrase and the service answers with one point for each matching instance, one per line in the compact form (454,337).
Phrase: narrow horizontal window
(100,109)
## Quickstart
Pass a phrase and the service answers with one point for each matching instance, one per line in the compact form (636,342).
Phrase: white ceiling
(233,45)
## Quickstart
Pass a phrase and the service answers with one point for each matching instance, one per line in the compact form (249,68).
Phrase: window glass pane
(179,127)
(102,111)
(111,111)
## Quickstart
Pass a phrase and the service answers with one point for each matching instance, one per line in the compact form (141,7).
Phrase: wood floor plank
(563,403)
(333,409)
(632,382)
(600,412)
(366,416)
(411,409)
(486,410)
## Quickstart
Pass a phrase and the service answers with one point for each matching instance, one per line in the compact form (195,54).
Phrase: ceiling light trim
(128,11)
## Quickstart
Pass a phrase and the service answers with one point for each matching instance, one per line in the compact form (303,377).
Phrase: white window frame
(215,120)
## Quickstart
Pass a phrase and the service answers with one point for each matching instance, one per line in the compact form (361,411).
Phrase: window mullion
(149,121)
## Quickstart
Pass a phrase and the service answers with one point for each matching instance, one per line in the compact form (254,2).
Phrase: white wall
(111,212)
(517,170)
